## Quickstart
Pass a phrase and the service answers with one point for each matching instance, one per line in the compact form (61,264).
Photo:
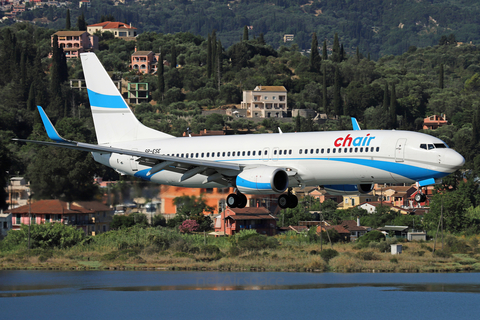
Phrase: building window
(47,218)
(104,228)
(18,219)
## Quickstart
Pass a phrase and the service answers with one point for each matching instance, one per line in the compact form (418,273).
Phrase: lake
(236,295)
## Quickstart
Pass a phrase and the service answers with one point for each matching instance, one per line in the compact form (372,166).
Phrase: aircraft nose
(456,160)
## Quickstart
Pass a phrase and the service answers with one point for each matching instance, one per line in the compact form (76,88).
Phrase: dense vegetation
(379,27)
(393,92)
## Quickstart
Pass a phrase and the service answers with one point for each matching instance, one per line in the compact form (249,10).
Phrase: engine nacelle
(262,180)
(346,189)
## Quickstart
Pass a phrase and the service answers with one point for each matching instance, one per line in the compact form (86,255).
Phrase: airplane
(340,161)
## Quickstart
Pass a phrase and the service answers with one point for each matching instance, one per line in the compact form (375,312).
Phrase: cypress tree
(81,24)
(261,39)
(219,63)
(67,21)
(209,56)
(245,33)
(441,75)
(31,98)
(314,55)
(336,49)
(160,76)
(23,75)
(213,49)
(342,54)
(324,89)
(324,50)
(174,56)
(358,55)
(386,101)
(476,128)
(393,108)
(337,99)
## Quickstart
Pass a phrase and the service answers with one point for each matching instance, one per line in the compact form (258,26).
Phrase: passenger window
(306,151)
(248,153)
(280,152)
(378,149)
(328,150)
(316,151)
(356,149)
(366,149)
(285,152)
(178,155)
(351,149)
(243,153)
(233,154)
(253,153)
(322,150)
(345,150)
(182,155)
(202,154)
(208,154)
(228,153)
(186,155)
(218,154)
(339,150)
(361,149)
(223,154)
(274,152)
(290,151)
(333,150)
(371,149)
(300,151)
(423,146)
(196,155)
(311,151)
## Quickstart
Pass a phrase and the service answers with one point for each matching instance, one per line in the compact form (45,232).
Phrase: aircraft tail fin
(113,119)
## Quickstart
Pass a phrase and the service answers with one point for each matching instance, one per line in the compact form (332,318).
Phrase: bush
(442,254)
(366,255)
(394,260)
(374,235)
(210,249)
(257,242)
(189,226)
(328,254)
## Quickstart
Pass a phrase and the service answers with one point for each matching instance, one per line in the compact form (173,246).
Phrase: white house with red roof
(118,29)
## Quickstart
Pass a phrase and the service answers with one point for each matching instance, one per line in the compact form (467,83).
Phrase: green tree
(324,50)
(81,23)
(441,76)
(245,33)
(67,21)
(314,55)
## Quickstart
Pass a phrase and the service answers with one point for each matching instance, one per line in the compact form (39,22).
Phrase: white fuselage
(319,158)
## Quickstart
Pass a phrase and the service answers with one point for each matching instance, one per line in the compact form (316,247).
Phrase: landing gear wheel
(420,197)
(232,200)
(283,201)
(292,201)
(242,200)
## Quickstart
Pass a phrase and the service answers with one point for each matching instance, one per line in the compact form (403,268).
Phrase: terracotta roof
(50,207)
(351,225)
(92,205)
(298,228)
(70,33)
(112,25)
(251,217)
(249,210)
(270,88)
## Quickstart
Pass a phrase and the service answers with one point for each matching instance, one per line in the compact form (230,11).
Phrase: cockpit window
(423,146)
(430,147)
(440,145)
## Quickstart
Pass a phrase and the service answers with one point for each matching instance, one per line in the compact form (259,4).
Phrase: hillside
(378,27)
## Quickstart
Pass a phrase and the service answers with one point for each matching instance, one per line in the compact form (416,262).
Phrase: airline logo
(349,141)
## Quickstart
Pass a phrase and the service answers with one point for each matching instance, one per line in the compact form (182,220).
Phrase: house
(265,102)
(5,223)
(395,231)
(90,216)
(434,122)
(342,232)
(288,37)
(371,207)
(355,229)
(18,191)
(118,29)
(396,195)
(233,220)
(75,42)
(352,200)
(143,61)
(137,92)
(84,4)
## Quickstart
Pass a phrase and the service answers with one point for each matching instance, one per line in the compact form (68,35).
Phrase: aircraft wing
(215,171)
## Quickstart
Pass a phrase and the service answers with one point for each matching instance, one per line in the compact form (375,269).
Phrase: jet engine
(262,180)
(345,189)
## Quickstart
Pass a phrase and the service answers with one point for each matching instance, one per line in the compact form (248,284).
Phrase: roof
(270,88)
(112,25)
(351,225)
(50,207)
(70,33)
(250,210)
(393,228)
(251,217)
(5,215)
(141,53)
(298,228)
(93,205)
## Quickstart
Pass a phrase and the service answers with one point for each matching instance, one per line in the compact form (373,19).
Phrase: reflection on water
(51,283)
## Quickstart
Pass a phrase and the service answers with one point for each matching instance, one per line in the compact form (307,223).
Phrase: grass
(163,249)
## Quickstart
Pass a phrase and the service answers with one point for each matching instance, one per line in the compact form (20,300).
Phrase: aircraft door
(265,154)
(275,152)
(400,150)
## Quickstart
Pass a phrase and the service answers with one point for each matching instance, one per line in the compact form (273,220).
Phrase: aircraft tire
(242,200)
(283,201)
(292,201)
(232,200)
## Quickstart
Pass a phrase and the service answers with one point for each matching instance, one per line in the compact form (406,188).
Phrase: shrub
(366,255)
(394,260)
(374,235)
(442,254)
(257,242)
(234,251)
(328,254)
(189,226)
(210,249)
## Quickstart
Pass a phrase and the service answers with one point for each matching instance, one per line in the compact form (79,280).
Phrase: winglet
(355,124)
(52,133)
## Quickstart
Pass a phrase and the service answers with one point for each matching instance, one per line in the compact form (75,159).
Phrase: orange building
(434,122)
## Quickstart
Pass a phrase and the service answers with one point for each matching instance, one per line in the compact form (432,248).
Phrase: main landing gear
(287,200)
(238,200)
(420,196)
